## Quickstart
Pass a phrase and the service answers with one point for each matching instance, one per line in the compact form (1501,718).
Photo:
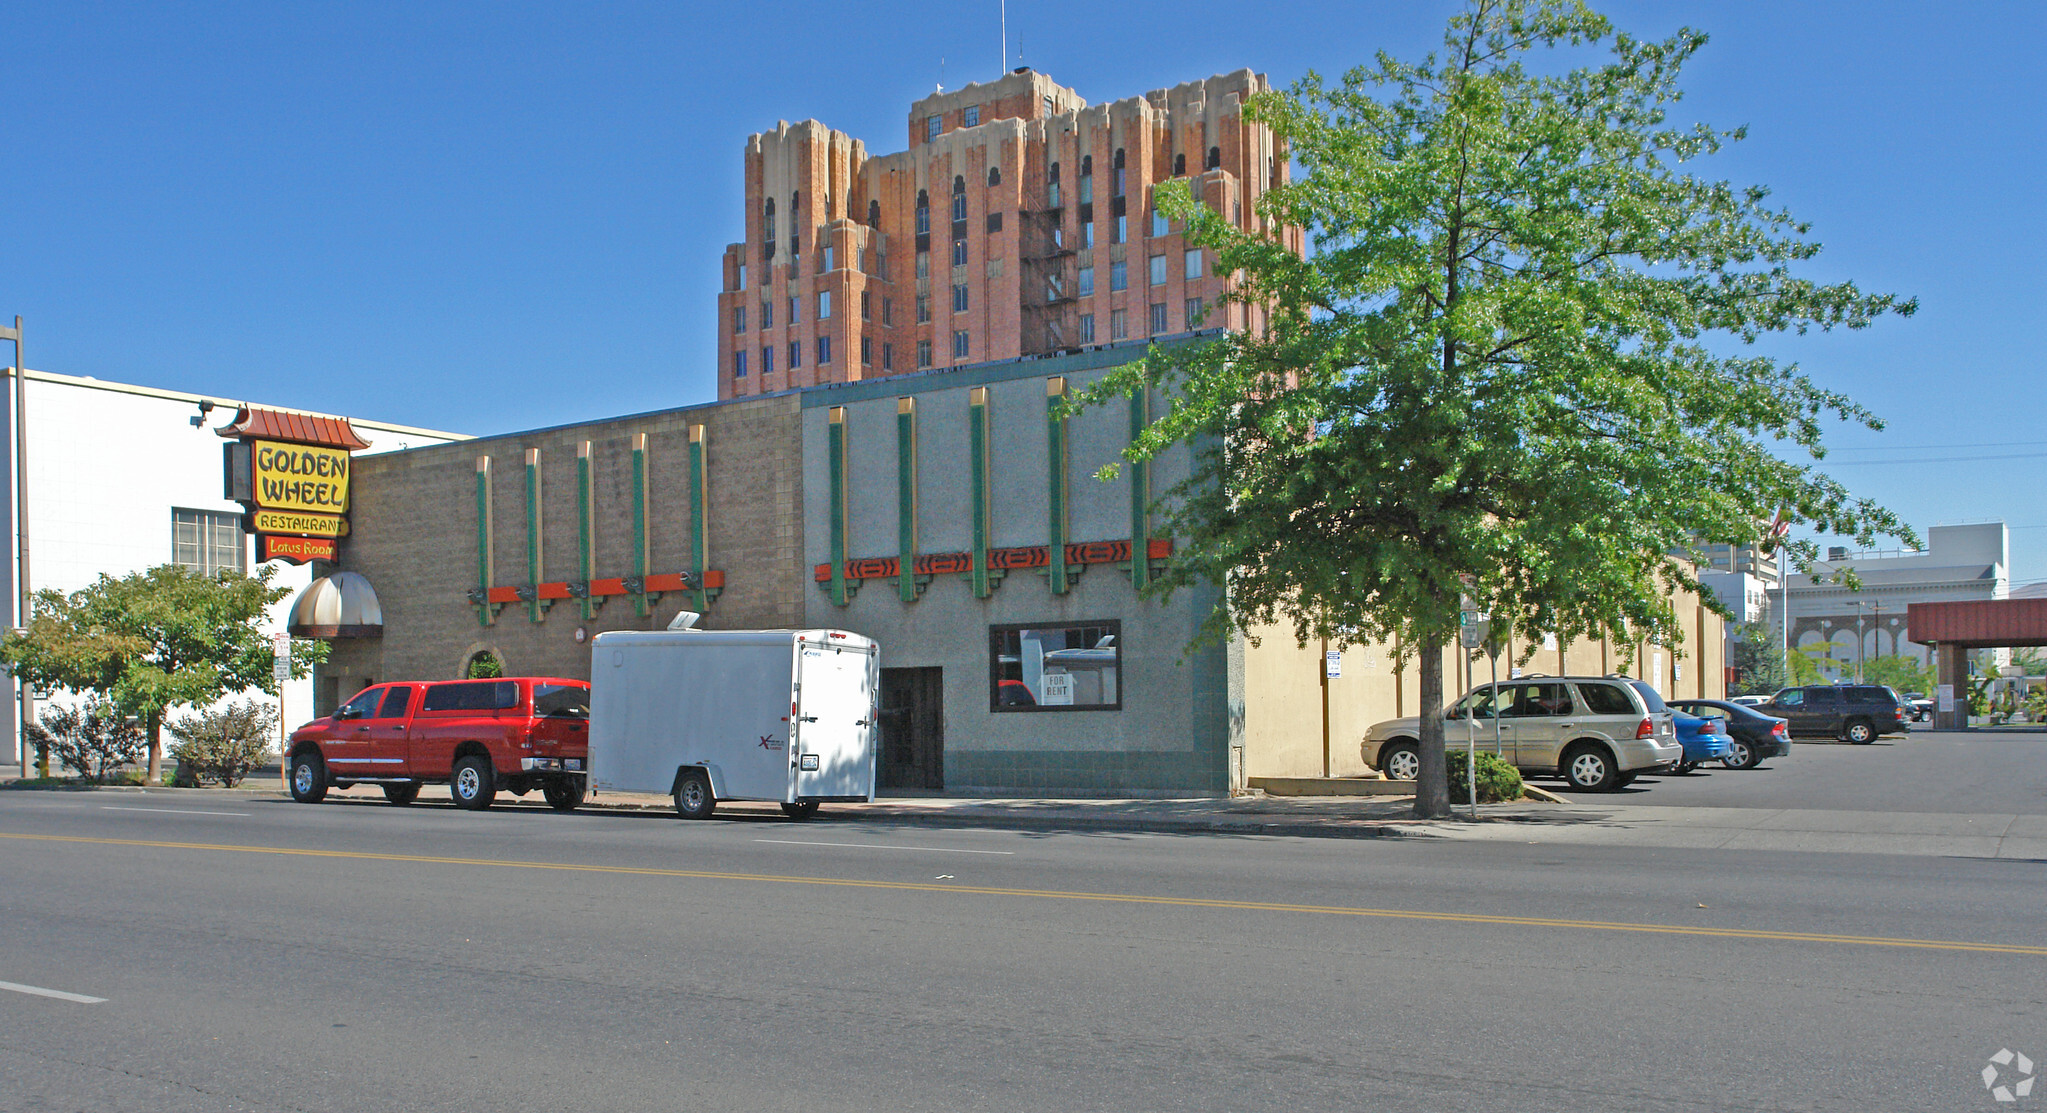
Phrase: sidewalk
(1579,822)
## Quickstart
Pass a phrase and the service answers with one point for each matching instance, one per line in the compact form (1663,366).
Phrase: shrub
(94,739)
(1498,780)
(226,743)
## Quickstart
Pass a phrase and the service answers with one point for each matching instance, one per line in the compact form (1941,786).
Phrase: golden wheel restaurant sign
(291,472)
(300,477)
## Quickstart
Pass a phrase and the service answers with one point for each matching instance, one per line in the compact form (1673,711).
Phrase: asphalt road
(262,955)
(1957,772)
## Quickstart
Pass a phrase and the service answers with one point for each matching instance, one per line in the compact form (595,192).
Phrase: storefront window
(1076,667)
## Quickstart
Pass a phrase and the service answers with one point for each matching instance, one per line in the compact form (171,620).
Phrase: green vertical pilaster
(485,613)
(699,546)
(586,528)
(906,499)
(977,451)
(640,522)
(835,452)
(533,564)
(1140,492)
(1055,476)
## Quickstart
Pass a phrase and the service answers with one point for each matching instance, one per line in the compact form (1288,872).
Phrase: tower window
(994,176)
(1215,157)
(932,125)
(971,117)
(959,344)
(959,298)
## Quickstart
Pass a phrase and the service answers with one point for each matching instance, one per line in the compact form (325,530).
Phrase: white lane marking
(59,994)
(879,846)
(168,811)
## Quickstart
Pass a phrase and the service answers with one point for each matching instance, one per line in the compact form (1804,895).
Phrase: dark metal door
(913,728)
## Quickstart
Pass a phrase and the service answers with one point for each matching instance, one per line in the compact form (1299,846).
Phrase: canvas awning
(342,605)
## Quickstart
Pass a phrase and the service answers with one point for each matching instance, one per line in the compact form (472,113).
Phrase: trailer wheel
(563,794)
(693,799)
(801,809)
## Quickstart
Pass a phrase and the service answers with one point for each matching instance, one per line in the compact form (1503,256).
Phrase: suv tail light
(1647,728)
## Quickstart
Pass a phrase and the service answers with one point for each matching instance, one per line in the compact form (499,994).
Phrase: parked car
(1704,738)
(478,737)
(1748,701)
(1922,708)
(1857,713)
(1596,732)
(1751,735)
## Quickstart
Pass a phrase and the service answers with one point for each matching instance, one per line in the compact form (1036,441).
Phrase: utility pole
(27,705)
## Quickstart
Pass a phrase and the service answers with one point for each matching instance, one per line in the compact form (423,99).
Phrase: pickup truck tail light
(1647,729)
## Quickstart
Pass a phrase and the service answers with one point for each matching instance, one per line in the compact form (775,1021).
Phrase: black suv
(1853,712)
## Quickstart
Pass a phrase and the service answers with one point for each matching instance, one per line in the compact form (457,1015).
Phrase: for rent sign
(300,477)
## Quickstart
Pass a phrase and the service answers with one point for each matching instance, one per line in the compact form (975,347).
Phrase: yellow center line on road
(1109,898)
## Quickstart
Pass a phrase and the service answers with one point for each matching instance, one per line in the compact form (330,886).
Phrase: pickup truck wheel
(473,786)
(1589,768)
(308,778)
(401,795)
(563,795)
(1859,732)
(693,799)
(801,809)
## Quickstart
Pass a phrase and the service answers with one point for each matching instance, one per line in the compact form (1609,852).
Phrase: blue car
(1704,740)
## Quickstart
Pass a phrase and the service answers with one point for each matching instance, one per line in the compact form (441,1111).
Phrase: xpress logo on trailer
(291,471)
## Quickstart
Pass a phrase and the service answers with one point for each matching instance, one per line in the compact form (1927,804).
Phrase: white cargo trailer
(710,715)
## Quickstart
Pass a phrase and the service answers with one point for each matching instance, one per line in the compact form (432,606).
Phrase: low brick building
(952,516)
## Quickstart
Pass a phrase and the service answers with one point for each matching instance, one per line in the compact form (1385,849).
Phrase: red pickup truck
(475,736)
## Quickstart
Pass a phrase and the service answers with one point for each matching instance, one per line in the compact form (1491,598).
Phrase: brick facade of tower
(1018,222)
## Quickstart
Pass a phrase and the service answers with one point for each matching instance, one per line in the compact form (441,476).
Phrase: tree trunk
(1432,785)
(156,748)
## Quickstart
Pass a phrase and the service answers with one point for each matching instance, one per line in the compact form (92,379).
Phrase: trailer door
(833,757)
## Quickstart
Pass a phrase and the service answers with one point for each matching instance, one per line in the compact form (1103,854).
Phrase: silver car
(1596,732)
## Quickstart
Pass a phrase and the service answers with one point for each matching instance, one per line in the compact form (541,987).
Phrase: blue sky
(486,217)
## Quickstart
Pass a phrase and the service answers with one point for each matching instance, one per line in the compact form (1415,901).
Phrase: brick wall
(414,535)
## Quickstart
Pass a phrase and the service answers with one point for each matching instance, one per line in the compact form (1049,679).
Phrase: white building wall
(107,464)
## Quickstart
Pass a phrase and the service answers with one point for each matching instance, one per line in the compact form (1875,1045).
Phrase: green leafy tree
(1758,661)
(485,666)
(1812,664)
(1906,674)
(150,641)
(1493,361)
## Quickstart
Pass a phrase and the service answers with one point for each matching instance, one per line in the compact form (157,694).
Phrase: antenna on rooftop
(1004,67)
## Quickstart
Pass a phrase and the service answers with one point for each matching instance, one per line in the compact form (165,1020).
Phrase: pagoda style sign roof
(257,423)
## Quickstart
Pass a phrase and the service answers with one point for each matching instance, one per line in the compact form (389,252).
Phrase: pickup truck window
(569,701)
(476,695)
(394,703)
(362,706)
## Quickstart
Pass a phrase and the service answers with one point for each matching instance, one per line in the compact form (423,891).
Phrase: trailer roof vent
(685,620)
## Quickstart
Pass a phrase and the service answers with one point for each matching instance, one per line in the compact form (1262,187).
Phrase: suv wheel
(1589,768)
(473,786)
(1401,762)
(1859,731)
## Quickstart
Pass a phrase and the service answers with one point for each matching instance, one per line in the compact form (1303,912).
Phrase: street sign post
(280,671)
